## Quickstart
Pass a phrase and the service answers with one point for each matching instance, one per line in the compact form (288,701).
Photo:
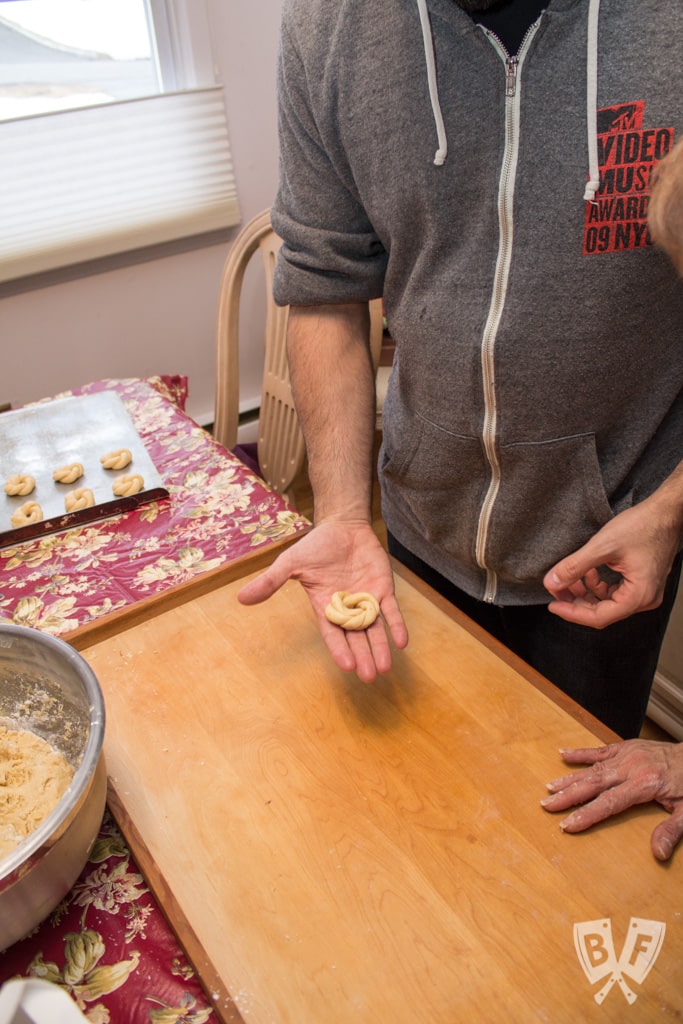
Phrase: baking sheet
(40,438)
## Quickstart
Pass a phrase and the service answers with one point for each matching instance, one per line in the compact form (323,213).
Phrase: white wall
(158,317)
(671,661)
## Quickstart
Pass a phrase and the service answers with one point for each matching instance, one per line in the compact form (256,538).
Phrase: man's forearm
(668,500)
(334,391)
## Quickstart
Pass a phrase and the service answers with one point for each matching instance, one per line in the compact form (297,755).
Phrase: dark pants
(609,671)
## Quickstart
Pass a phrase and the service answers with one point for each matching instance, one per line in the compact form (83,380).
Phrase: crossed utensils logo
(595,949)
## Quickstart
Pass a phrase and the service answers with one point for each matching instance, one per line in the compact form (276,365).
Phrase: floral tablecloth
(218,511)
(108,944)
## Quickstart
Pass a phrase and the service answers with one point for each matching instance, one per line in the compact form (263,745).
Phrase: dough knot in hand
(20,484)
(352,611)
(68,474)
(30,512)
(125,486)
(83,497)
(117,460)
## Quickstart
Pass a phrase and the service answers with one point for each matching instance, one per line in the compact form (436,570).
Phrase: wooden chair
(280,445)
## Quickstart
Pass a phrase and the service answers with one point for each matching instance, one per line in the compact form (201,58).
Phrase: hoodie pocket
(436,481)
(551,501)
(551,498)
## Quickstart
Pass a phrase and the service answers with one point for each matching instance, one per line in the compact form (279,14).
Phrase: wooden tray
(39,438)
(330,851)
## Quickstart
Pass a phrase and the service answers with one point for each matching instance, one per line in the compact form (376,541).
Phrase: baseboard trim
(666,705)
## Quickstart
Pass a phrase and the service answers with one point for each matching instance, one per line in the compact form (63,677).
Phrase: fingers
(608,767)
(565,580)
(589,755)
(267,583)
(372,652)
(605,805)
(347,650)
(667,835)
(580,787)
(582,596)
(596,589)
(367,652)
(590,610)
(619,776)
(391,614)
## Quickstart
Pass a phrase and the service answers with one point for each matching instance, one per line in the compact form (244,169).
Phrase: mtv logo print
(629,149)
(595,949)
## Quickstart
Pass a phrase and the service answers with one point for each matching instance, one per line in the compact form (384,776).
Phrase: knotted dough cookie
(82,497)
(68,474)
(30,512)
(125,486)
(352,611)
(117,460)
(20,484)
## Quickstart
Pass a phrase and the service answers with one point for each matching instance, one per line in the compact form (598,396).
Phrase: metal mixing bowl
(49,689)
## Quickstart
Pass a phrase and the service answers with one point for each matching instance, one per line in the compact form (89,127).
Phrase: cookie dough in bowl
(33,779)
(48,694)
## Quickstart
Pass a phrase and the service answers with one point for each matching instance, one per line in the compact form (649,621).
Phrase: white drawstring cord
(593,183)
(428,42)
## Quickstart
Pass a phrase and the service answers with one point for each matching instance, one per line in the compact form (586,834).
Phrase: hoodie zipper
(506,188)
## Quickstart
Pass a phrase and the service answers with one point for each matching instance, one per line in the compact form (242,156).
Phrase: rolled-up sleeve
(330,252)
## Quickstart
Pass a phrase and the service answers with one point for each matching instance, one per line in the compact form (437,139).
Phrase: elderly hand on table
(620,776)
(340,555)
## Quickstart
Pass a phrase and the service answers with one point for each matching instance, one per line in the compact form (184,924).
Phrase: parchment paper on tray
(39,439)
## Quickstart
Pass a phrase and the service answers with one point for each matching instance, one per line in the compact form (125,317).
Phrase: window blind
(82,184)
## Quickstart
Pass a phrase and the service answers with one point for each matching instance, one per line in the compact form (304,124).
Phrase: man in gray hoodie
(485,167)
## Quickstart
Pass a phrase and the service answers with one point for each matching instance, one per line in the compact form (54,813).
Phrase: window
(60,54)
(113,134)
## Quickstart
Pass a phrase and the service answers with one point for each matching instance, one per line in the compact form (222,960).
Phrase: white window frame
(181,31)
(82,185)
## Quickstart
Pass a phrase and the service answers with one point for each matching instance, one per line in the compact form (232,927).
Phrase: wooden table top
(330,851)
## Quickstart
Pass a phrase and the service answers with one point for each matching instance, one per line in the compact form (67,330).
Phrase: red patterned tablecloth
(218,511)
(108,943)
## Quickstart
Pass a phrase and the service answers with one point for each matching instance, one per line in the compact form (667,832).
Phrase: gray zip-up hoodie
(537,387)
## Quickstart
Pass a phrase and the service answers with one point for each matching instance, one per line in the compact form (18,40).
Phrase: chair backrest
(280,447)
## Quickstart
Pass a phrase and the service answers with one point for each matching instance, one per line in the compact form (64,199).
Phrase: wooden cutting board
(332,852)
